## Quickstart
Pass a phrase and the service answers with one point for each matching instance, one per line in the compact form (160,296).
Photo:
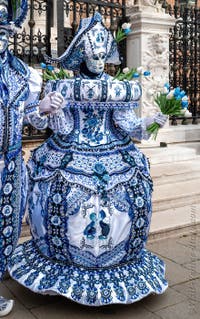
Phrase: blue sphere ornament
(50,67)
(43,65)
(146,73)
(135,75)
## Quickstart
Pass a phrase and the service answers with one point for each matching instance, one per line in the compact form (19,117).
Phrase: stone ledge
(176,192)
(175,219)
(176,134)
(177,152)
(174,172)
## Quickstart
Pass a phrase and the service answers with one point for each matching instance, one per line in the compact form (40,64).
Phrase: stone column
(148,46)
(54,34)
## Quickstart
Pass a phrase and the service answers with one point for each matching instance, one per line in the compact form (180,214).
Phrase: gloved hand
(51,103)
(158,118)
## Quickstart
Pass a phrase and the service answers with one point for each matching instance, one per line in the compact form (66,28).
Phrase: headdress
(12,13)
(91,38)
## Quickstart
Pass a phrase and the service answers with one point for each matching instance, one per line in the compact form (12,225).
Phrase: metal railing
(184,56)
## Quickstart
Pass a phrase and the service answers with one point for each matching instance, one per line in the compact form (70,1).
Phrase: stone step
(175,220)
(177,194)
(175,172)
(172,153)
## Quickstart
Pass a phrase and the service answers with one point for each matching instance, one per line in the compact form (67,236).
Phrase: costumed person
(20,87)
(90,188)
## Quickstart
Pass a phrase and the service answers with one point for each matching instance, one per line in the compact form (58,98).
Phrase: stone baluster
(148,46)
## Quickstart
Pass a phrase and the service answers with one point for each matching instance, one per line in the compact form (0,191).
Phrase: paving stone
(28,298)
(191,289)
(19,311)
(178,302)
(192,241)
(193,266)
(183,310)
(176,273)
(168,298)
(174,251)
(67,309)
(5,292)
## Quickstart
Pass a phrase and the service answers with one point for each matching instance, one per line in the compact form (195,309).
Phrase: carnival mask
(96,62)
(4,38)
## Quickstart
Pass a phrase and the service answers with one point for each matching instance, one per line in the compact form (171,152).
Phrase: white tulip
(125,70)
(57,70)
(140,69)
(165,90)
(126,26)
(186,113)
(170,95)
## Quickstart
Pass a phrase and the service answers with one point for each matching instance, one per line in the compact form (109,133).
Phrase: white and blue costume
(90,199)
(20,87)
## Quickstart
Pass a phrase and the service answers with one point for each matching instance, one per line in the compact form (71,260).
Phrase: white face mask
(96,62)
(4,38)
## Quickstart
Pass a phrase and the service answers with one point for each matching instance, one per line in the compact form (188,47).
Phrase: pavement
(180,301)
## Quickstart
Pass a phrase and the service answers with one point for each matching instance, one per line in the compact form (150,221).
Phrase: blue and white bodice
(83,130)
(97,112)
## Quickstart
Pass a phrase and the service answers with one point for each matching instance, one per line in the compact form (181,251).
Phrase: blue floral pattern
(92,126)
(15,99)
(125,283)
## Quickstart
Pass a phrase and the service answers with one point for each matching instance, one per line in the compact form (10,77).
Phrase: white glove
(51,103)
(160,118)
(157,118)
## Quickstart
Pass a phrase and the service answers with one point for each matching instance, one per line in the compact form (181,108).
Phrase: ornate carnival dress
(20,89)
(90,200)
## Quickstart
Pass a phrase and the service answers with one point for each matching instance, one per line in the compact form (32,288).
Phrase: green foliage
(15,5)
(168,107)
(125,76)
(120,35)
(53,75)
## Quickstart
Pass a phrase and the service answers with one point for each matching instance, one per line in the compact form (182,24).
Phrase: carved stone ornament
(155,59)
(144,5)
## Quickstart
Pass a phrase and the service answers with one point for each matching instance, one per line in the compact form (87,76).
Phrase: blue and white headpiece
(12,14)
(91,38)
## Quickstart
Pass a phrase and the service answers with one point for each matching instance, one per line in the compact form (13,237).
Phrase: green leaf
(120,35)
(117,74)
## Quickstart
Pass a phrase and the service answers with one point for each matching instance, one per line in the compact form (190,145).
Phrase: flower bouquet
(49,73)
(129,74)
(170,102)
(123,32)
